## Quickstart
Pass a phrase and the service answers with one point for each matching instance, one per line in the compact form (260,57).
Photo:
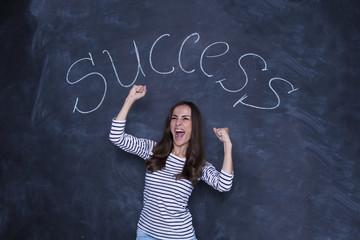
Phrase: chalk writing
(139,69)
(181,48)
(82,78)
(150,56)
(213,56)
(241,100)
(202,59)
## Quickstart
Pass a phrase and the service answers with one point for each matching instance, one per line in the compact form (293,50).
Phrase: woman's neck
(179,151)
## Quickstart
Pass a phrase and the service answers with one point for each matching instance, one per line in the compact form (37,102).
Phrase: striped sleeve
(138,146)
(220,181)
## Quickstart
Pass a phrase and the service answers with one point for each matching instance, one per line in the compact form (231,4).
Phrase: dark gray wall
(282,75)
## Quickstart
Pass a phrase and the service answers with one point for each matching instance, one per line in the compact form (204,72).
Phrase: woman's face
(181,125)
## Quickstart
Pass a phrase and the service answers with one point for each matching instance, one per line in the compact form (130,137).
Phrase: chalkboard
(282,75)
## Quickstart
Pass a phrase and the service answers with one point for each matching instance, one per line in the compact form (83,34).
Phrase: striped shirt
(165,214)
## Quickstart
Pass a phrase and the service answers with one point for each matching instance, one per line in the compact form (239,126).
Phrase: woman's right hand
(136,92)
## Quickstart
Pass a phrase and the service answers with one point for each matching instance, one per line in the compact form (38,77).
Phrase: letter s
(82,78)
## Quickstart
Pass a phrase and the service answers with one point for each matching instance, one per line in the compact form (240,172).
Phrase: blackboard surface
(282,75)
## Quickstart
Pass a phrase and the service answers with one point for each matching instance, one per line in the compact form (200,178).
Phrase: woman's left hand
(223,135)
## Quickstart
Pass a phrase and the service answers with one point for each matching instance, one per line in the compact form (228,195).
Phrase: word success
(205,57)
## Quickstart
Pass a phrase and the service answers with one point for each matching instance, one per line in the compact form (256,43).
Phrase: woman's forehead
(182,110)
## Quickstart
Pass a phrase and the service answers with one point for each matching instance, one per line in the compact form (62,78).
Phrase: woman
(173,167)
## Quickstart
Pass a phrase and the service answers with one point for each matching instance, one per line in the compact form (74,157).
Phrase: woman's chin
(180,143)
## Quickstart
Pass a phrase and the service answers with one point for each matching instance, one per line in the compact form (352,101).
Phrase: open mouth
(179,133)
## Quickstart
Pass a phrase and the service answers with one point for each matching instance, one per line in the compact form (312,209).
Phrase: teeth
(179,131)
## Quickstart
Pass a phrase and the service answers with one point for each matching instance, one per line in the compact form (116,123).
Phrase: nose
(178,122)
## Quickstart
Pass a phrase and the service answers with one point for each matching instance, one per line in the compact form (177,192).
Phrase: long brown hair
(195,157)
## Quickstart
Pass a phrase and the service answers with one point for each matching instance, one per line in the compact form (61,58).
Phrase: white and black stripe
(165,214)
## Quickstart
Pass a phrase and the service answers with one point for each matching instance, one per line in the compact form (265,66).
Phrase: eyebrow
(174,115)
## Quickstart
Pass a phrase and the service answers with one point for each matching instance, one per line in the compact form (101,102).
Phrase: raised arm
(139,146)
(135,93)
(223,135)
(221,181)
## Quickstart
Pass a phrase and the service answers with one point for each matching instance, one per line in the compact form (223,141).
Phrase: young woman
(173,167)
